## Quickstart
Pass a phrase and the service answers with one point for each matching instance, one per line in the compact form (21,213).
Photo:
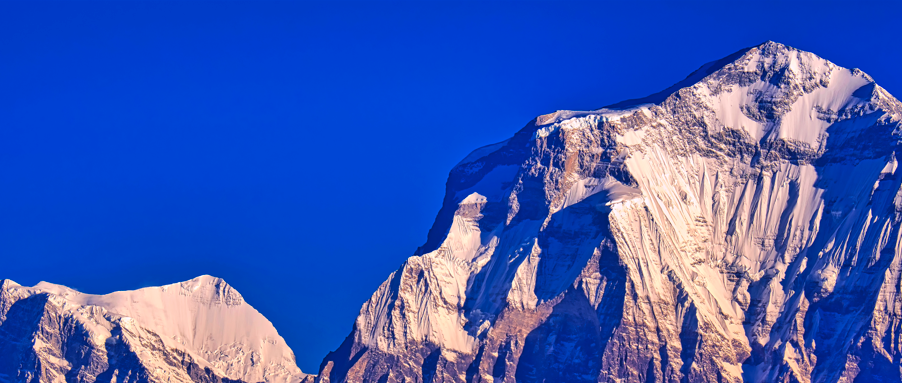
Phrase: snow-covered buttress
(741,226)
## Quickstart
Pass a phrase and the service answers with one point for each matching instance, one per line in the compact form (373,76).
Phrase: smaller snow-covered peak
(204,317)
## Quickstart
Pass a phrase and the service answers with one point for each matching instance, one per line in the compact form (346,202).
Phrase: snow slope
(198,330)
(742,225)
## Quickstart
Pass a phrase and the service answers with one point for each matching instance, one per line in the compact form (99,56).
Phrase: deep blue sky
(299,150)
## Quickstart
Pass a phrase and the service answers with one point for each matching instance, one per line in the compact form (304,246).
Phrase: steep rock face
(195,331)
(742,225)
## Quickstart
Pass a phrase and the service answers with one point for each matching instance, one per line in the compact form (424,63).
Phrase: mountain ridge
(196,330)
(697,75)
(704,237)
(743,225)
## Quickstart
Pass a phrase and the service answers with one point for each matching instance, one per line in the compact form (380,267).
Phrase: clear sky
(299,150)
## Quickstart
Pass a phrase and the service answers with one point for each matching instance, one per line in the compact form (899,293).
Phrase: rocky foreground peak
(740,226)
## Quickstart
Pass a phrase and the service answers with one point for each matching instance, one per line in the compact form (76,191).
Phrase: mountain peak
(206,278)
(6,283)
(202,321)
(771,44)
(742,225)
(769,60)
(211,290)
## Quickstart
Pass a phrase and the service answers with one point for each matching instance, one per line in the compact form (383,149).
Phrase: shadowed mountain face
(741,226)
(195,331)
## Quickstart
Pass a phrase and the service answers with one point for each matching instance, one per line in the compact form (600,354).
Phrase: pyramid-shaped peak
(770,61)
(210,289)
(773,49)
(207,279)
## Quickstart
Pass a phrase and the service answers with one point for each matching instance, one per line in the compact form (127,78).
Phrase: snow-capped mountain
(740,226)
(200,330)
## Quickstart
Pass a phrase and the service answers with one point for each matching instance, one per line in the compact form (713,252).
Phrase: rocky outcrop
(195,331)
(741,226)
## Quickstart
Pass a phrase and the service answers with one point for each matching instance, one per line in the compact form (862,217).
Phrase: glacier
(740,226)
